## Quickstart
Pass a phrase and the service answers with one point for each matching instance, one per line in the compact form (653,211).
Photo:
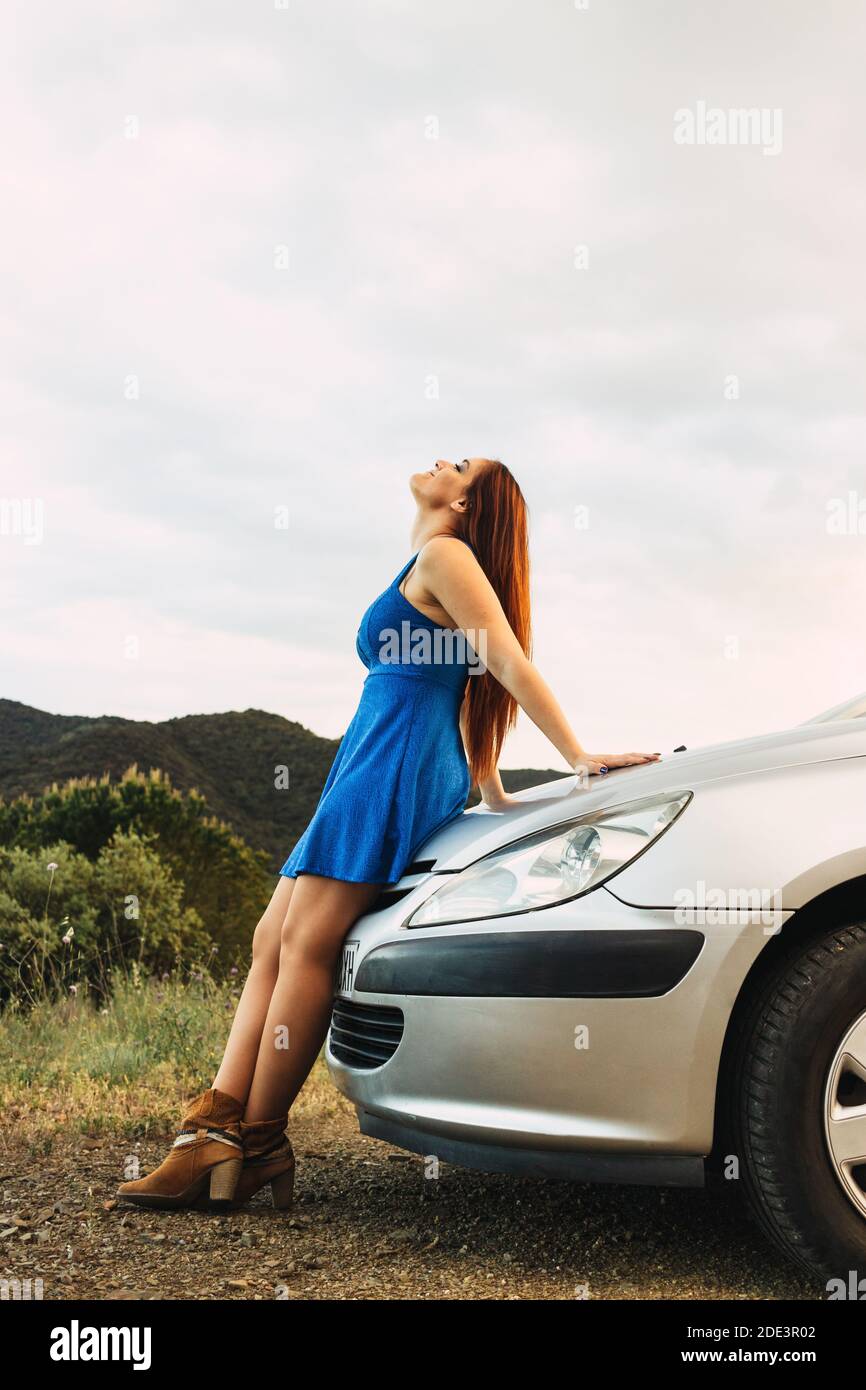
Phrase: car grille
(364,1035)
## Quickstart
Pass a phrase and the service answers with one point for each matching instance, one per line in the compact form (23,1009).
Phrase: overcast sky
(261,257)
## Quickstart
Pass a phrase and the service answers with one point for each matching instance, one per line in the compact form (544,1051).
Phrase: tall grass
(121,1064)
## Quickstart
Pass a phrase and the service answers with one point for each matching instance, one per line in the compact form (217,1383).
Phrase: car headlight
(553,865)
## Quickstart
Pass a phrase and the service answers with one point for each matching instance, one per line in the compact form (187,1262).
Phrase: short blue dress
(400,772)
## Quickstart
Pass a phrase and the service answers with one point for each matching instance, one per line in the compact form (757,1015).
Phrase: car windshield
(852,709)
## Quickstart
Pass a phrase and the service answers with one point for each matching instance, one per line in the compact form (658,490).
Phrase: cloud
(245,241)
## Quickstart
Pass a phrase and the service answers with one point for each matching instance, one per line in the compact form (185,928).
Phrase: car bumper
(588,1049)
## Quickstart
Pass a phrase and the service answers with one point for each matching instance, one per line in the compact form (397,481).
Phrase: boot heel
(224,1179)
(282,1189)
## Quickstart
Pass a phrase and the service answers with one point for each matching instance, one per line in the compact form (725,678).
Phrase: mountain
(231,758)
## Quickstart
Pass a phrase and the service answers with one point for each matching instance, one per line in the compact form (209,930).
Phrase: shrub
(219,877)
(67,921)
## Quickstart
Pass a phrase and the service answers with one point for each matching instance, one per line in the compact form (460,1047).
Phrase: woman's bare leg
(320,913)
(235,1074)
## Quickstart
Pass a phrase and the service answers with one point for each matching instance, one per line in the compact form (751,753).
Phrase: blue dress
(400,772)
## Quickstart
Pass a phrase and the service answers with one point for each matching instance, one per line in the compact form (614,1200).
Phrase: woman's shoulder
(445,545)
(444,556)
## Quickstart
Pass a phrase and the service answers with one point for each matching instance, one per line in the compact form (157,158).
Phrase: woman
(428,721)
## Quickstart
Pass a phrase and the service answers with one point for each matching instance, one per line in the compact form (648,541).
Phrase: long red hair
(496,524)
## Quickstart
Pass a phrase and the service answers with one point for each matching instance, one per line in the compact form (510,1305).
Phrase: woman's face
(444,485)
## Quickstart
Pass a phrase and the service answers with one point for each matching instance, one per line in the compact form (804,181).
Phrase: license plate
(346,977)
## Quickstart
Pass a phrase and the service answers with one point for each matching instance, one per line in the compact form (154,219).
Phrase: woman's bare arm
(455,580)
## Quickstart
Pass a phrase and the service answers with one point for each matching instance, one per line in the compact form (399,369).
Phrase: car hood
(480,831)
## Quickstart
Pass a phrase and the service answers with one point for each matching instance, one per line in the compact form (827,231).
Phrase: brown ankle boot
(204,1163)
(268,1158)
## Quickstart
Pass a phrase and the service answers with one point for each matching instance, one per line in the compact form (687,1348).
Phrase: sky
(262,262)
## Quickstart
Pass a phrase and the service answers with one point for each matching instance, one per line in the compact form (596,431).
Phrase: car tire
(788,1045)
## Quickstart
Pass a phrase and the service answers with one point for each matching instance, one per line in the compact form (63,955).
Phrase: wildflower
(51,867)
(67,939)
(234,970)
(73,989)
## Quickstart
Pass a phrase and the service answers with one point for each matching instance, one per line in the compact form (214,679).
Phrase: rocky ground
(367,1224)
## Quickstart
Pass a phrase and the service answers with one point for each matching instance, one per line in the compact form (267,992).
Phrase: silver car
(635,978)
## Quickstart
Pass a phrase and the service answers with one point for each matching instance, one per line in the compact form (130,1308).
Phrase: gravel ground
(367,1224)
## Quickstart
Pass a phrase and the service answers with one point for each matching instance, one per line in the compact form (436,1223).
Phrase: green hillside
(231,759)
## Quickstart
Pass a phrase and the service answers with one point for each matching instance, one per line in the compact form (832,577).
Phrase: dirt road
(368,1225)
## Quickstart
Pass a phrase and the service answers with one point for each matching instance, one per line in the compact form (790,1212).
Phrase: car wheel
(798,1099)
